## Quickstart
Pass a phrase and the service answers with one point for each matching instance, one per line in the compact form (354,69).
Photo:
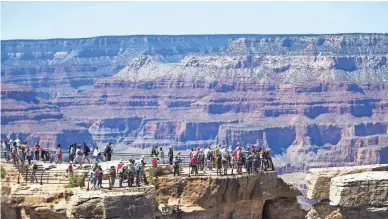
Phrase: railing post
(26,174)
(41,177)
(87,189)
(19,177)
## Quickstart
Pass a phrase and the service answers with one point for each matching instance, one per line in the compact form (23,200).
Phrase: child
(70,169)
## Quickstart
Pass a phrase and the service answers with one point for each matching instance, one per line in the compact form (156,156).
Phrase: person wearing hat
(177,162)
(170,155)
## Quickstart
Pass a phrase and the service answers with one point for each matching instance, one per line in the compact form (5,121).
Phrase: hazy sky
(41,20)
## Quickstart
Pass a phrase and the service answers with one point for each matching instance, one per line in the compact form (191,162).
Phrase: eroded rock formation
(349,193)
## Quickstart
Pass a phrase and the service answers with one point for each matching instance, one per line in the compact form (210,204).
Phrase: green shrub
(154,172)
(3,172)
(76,181)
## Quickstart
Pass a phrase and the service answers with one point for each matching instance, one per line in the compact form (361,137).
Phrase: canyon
(315,100)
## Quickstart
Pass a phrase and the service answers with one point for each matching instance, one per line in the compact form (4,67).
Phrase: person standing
(240,157)
(225,161)
(22,149)
(86,153)
(99,174)
(201,160)
(170,155)
(108,152)
(71,152)
(93,178)
(194,163)
(177,162)
(70,169)
(30,155)
(121,176)
(131,174)
(58,154)
(78,156)
(112,176)
(36,151)
(154,162)
(4,147)
(33,173)
(210,160)
(120,165)
(161,155)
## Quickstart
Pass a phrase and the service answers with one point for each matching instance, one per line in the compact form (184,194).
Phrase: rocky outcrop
(236,196)
(360,189)
(320,180)
(218,197)
(119,204)
(354,193)
(285,205)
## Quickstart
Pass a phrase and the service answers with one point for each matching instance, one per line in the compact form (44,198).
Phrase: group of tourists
(221,159)
(131,173)
(158,157)
(19,152)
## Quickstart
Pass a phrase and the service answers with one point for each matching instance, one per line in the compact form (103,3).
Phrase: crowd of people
(19,152)
(132,173)
(217,159)
(221,159)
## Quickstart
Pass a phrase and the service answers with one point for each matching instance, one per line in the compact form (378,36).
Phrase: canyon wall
(316,100)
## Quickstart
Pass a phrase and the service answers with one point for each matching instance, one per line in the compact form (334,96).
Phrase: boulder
(318,180)
(360,189)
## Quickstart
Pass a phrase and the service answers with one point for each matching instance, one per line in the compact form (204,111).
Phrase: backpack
(209,155)
(137,169)
(108,149)
(87,149)
(201,156)
(72,150)
(193,160)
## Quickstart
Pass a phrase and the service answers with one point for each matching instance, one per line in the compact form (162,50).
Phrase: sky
(43,20)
